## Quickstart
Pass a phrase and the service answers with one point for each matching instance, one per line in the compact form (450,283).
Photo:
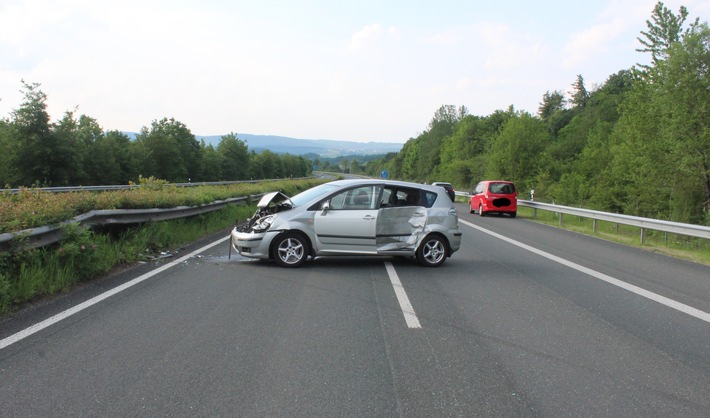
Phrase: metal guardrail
(45,235)
(637,221)
(64,189)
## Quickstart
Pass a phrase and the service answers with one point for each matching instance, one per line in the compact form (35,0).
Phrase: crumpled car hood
(272,197)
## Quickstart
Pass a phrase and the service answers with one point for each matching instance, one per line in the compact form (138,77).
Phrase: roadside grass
(679,246)
(32,208)
(86,254)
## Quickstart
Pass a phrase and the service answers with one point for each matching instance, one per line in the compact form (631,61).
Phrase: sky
(312,69)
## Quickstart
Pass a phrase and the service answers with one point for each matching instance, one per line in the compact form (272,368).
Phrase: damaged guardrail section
(45,235)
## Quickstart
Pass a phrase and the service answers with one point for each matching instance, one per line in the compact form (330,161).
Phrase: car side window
(354,199)
(429,198)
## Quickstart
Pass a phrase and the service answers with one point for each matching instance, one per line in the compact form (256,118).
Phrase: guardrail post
(643,233)
(560,217)
(534,213)
(594,226)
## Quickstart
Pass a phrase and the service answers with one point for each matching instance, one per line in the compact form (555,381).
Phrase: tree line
(638,144)
(75,150)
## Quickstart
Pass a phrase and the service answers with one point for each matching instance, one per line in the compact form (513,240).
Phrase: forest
(637,144)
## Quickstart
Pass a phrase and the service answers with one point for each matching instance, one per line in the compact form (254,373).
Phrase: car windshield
(313,193)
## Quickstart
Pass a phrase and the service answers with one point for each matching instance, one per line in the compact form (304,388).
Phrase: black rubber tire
(513,214)
(480,211)
(290,249)
(432,251)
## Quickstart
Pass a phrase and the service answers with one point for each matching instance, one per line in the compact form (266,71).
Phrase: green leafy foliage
(637,144)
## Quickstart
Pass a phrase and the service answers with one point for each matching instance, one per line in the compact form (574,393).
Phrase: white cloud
(587,45)
(367,35)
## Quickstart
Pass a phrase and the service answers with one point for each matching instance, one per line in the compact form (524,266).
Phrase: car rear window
(502,188)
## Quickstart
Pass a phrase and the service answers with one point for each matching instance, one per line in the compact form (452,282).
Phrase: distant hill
(322,147)
(296,146)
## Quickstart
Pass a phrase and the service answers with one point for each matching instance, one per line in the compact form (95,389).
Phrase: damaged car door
(401,221)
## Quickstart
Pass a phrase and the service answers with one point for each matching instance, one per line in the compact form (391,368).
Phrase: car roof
(353,182)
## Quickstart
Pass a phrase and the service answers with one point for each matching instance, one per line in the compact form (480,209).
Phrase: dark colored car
(494,196)
(448,187)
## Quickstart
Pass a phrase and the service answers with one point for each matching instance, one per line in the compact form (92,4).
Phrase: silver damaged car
(352,217)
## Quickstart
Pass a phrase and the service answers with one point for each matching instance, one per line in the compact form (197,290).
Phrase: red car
(494,196)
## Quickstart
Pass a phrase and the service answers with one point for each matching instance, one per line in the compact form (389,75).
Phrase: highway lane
(504,332)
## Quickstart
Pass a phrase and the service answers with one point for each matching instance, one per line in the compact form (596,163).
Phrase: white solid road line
(409,315)
(689,310)
(96,299)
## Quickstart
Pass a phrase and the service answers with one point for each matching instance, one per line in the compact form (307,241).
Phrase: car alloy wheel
(432,251)
(480,210)
(290,250)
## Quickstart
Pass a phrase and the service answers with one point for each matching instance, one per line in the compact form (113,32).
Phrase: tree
(579,94)
(171,151)
(7,145)
(211,164)
(84,163)
(354,167)
(682,83)
(35,145)
(553,112)
(551,102)
(664,30)
(235,158)
(518,152)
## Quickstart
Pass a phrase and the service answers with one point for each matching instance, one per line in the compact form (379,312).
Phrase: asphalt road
(525,320)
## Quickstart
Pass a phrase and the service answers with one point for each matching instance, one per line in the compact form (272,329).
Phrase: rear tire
(290,249)
(513,214)
(432,251)
(480,211)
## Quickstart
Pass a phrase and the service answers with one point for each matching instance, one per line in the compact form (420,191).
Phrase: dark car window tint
(429,199)
(502,188)
(398,196)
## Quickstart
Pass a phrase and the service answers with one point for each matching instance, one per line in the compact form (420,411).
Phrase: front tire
(290,249)
(432,251)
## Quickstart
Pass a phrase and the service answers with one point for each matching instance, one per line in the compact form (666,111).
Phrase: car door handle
(368,217)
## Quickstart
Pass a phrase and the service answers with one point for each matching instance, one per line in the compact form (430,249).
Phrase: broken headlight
(263,224)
